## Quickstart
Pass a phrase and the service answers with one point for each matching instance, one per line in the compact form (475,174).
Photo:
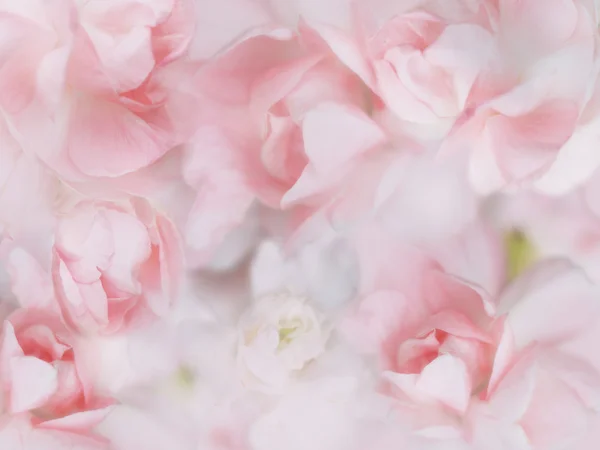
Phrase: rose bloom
(115,265)
(422,59)
(89,86)
(469,371)
(39,367)
(536,396)
(484,78)
(268,100)
(278,337)
(414,71)
(435,342)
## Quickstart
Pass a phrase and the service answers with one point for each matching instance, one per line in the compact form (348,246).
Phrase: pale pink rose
(429,329)
(484,77)
(526,107)
(422,59)
(89,87)
(115,265)
(543,389)
(278,336)
(434,338)
(524,377)
(39,367)
(269,102)
(425,67)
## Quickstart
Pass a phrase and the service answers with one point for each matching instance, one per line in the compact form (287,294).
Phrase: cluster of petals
(299,224)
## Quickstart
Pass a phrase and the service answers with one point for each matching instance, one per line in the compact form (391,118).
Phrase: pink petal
(576,161)
(108,140)
(171,257)
(375,319)
(513,392)
(335,134)
(399,98)
(282,152)
(348,50)
(132,248)
(447,379)
(457,324)
(522,19)
(221,205)
(309,184)
(553,309)
(33,382)
(78,422)
(10,349)
(555,416)
(170,39)
(30,283)
(218,27)
(527,144)
(17,88)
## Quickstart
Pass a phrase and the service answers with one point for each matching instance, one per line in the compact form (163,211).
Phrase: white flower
(278,337)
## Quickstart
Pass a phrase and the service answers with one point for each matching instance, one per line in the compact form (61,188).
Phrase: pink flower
(577,161)
(449,348)
(115,265)
(526,107)
(466,371)
(345,282)
(425,67)
(482,77)
(277,337)
(543,387)
(422,62)
(39,367)
(431,332)
(92,83)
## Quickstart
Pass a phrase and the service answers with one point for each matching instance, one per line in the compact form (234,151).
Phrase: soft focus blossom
(115,265)
(299,224)
(79,73)
(37,352)
(280,335)
(259,138)
(541,362)
(484,78)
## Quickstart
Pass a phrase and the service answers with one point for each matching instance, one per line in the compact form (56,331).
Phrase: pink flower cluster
(299,224)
